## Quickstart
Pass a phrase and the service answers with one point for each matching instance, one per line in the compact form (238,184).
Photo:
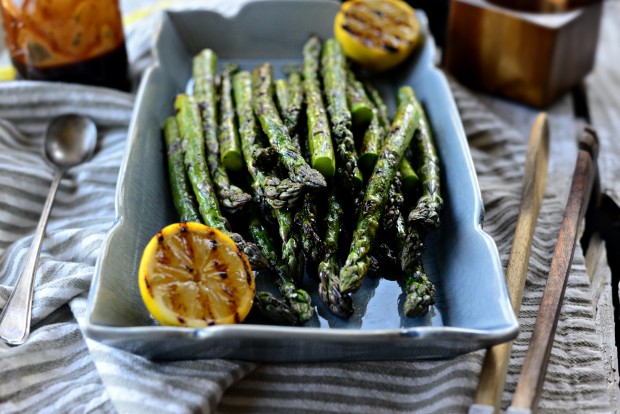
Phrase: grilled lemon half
(194,275)
(377,34)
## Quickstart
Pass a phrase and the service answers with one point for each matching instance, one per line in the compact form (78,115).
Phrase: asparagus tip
(275,309)
(351,278)
(329,292)
(255,256)
(420,296)
(426,214)
(299,300)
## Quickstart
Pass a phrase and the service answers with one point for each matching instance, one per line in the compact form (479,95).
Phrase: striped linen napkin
(59,371)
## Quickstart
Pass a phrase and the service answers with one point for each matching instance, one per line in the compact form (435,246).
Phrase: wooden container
(543,6)
(528,57)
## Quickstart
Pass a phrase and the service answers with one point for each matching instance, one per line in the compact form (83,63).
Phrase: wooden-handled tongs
(495,365)
(530,383)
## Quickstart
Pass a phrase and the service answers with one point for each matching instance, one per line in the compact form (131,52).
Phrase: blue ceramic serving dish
(472,310)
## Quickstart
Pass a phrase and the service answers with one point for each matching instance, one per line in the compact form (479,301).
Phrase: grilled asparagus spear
(230,145)
(334,74)
(292,256)
(397,140)
(263,184)
(311,242)
(408,175)
(425,215)
(282,96)
(319,135)
(267,114)
(288,97)
(420,291)
(231,197)
(296,99)
(280,193)
(297,299)
(329,290)
(188,118)
(182,194)
(361,107)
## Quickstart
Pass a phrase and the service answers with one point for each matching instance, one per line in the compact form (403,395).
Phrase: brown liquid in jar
(79,41)
(108,70)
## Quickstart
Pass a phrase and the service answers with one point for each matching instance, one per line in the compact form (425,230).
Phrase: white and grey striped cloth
(58,371)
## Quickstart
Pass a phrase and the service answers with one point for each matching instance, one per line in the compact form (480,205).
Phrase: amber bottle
(79,41)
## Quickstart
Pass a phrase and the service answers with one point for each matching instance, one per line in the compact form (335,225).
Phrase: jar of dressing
(80,41)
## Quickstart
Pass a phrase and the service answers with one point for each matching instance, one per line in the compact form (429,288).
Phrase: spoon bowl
(69,141)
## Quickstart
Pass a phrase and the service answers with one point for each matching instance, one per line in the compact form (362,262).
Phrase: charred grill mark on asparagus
(394,204)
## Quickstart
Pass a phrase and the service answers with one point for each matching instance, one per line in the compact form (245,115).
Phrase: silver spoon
(69,141)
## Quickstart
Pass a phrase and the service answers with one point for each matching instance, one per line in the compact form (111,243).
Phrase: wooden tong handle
(534,370)
(495,365)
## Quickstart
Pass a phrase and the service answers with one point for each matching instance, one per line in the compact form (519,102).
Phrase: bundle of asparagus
(324,181)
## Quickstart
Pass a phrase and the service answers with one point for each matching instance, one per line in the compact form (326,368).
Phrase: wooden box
(525,56)
(543,6)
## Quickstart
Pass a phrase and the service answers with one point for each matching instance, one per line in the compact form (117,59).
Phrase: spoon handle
(15,318)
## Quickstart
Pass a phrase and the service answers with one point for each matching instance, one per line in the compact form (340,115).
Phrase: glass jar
(79,41)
